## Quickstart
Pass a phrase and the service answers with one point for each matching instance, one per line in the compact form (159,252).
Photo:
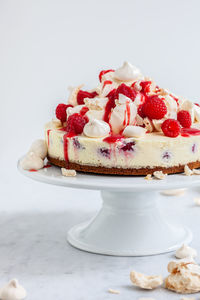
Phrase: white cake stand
(130,222)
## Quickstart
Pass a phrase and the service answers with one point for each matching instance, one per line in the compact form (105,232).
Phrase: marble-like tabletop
(34,220)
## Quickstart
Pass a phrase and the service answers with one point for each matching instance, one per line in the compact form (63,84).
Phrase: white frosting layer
(134,131)
(127,72)
(96,128)
(12,291)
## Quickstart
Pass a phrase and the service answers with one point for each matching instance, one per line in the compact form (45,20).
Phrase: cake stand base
(129,224)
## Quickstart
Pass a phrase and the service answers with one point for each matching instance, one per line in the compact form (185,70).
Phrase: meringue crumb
(187,171)
(196,171)
(68,173)
(159,175)
(197,201)
(186,298)
(148,177)
(111,291)
(144,281)
(144,298)
(176,192)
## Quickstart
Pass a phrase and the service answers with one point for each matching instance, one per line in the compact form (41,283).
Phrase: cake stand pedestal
(130,222)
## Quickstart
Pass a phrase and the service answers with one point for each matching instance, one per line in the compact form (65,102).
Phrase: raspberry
(61,113)
(126,90)
(155,108)
(141,111)
(103,73)
(75,123)
(83,94)
(184,118)
(171,128)
(109,105)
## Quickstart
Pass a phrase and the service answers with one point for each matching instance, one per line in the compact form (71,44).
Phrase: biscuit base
(120,171)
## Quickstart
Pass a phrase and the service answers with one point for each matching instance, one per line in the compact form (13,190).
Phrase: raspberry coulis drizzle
(65,142)
(186,132)
(48,132)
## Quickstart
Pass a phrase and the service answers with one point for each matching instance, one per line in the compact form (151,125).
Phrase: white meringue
(96,103)
(127,72)
(134,131)
(12,291)
(74,110)
(32,161)
(123,114)
(96,128)
(185,251)
(196,112)
(39,147)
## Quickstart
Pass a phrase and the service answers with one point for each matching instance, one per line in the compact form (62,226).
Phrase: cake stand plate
(130,222)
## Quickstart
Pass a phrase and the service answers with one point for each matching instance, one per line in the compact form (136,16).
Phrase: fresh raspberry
(127,91)
(141,111)
(155,108)
(83,94)
(75,123)
(184,118)
(103,73)
(171,128)
(61,113)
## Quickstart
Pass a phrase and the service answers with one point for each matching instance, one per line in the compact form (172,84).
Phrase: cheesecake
(126,125)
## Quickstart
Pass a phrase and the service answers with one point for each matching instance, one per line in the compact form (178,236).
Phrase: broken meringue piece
(12,291)
(111,291)
(73,94)
(134,131)
(196,171)
(197,201)
(148,177)
(159,175)
(187,171)
(68,172)
(185,251)
(184,276)
(39,147)
(31,161)
(176,192)
(145,281)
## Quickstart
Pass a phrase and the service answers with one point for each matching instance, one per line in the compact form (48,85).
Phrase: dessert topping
(61,111)
(83,94)
(76,123)
(127,72)
(96,128)
(103,72)
(171,128)
(39,147)
(155,108)
(134,131)
(184,118)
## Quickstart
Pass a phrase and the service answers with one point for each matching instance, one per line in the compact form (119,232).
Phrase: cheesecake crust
(120,171)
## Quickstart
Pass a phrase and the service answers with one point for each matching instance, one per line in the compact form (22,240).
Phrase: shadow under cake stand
(130,222)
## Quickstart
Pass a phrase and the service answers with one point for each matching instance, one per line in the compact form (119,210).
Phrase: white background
(45,46)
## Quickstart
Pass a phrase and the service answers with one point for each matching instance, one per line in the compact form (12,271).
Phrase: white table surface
(34,220)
